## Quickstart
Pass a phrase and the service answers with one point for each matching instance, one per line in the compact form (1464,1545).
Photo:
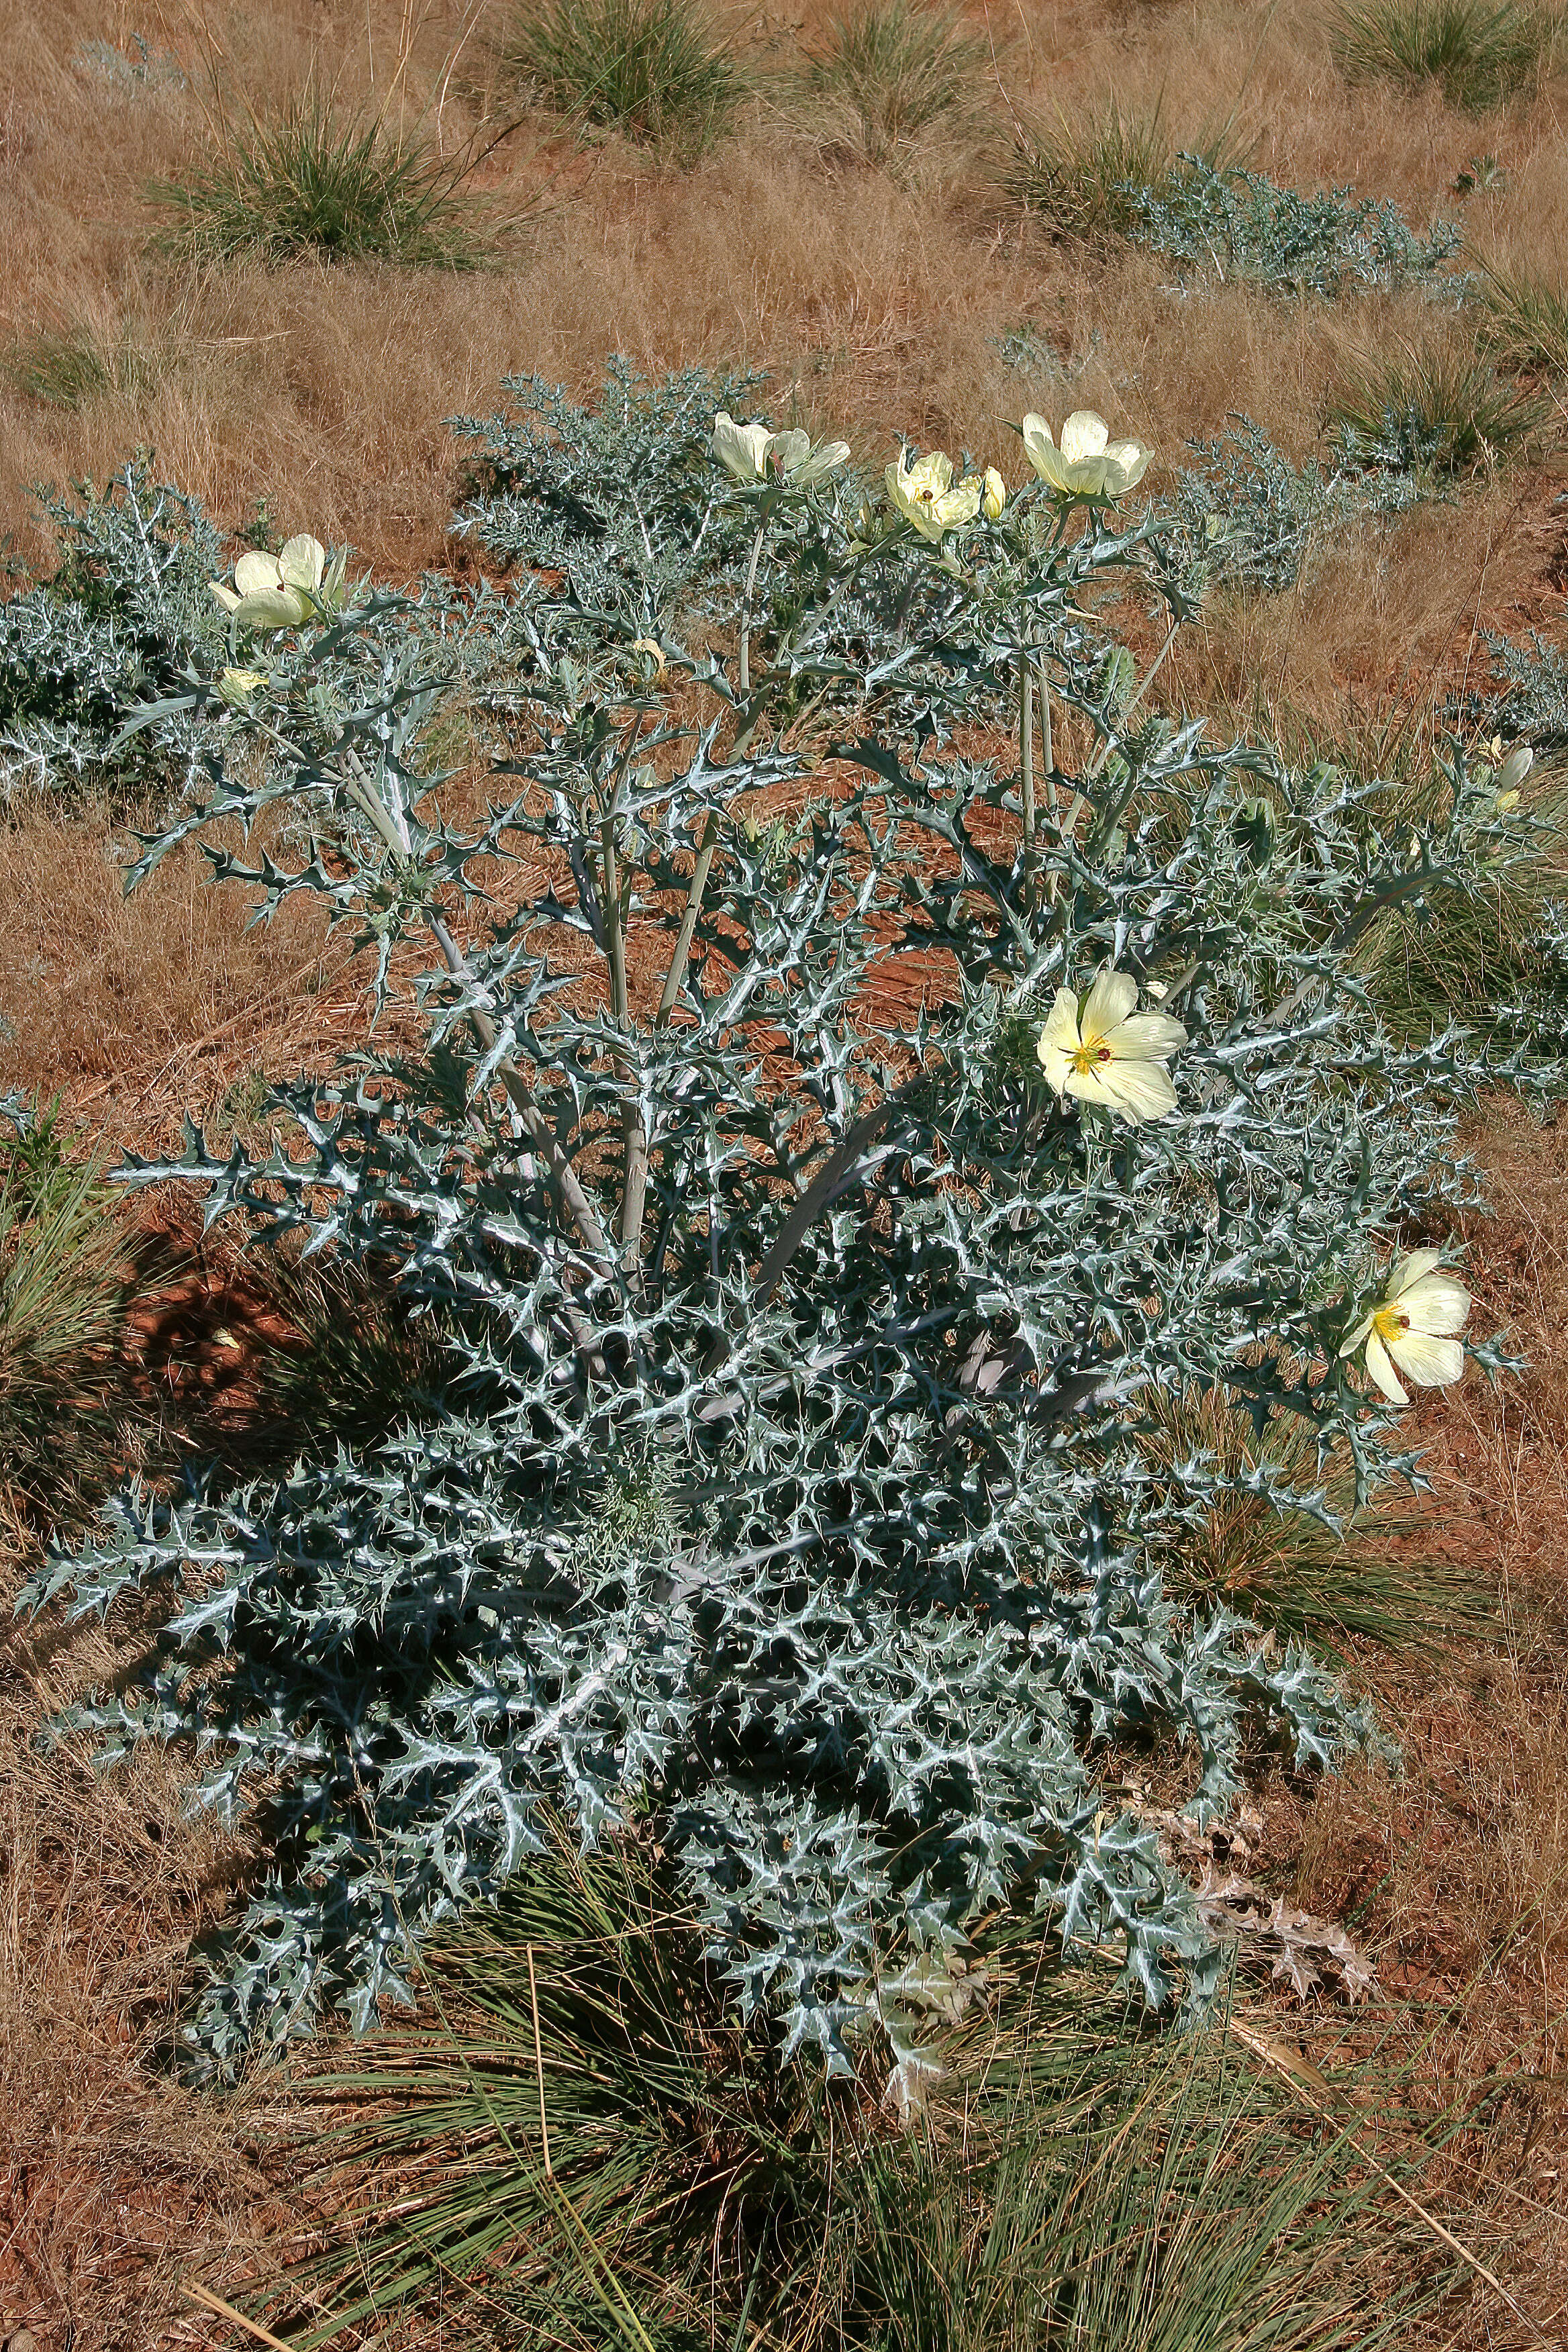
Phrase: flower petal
(1382,1371)
(1414,1268)
(1436,1304)
(1043,454)
(787,452)
(1126,463)
(224,594)
(1114,996)
(1430,1363)
(256,570)
(1354,1337)
(1084,435)
(303,562)
(1146,1037)
(740,448)
(271,608)
(1137,1090)
(1058,1040)
(825,459)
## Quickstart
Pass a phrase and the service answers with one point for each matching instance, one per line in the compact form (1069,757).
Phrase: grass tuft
(353,1365)
(63,1292)
(1433,409)
(579,2142)
(1083,178)
(342,189)
(891,73)
(1524,321)
(1324,1575)
(68,370)
(651,69)
(1479,52)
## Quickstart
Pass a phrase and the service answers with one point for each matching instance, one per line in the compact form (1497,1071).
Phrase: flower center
(1390,1321)
(1086,1057)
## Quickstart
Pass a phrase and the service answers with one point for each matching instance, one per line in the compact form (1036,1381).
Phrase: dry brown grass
(877,301)
(127,1006)
(113,2181)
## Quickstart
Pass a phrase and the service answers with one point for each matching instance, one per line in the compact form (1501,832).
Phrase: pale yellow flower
(925,494)
(1088,463)
(1411,1329)
(1110,1052)
(235,687)
(753,452)
(994,496)
(1512,772)
(280,591)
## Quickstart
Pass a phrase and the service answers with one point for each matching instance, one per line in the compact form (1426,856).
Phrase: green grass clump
(1324,1575)
(1468,954)
(578,2142)
(64,1285)
(651,69)
(346,190)
(1479,52)
(1435,411)
(1082,178)
(891,73)
(353,1366)
(1524,321)
(68,369)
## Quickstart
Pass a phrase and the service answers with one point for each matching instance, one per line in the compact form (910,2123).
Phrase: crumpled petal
(255,571)
(301,562)
(1059,1040)
(1353,1338)
(1084,435)
(1414,1268)
(1126,463)
(1436,1304)
(1043,454)
(1138,1090)
(787,453)
(741,448)
(825,459)
(272,608)
(1146,1037)
(1431,1363)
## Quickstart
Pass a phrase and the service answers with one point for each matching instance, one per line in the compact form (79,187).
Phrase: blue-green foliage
(1243,517)
(623,500)
(789,1479)
(1239,224)
(122,615)
(1532,700)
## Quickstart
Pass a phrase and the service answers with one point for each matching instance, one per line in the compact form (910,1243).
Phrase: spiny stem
(1026,772)
(635,1198)
(746,606)
(539,1129)
(695,888)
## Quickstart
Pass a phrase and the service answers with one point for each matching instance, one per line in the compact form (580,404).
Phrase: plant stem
(746,606)
(539,1129)
(635,1194)
(1026,766)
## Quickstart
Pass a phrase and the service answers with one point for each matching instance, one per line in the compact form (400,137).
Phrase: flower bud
(994,496)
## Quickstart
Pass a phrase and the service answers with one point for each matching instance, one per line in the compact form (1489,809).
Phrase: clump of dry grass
(315,183)
(653,70)
(889,79)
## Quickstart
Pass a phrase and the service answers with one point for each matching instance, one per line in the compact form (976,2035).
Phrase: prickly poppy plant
(847,1118)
